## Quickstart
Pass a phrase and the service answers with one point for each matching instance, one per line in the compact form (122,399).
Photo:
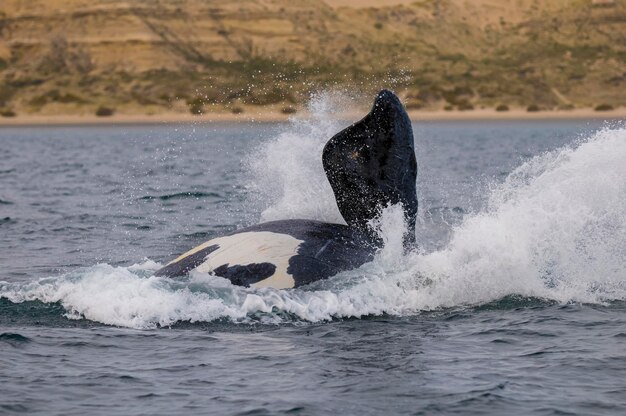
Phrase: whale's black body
(369,165)
(325,250)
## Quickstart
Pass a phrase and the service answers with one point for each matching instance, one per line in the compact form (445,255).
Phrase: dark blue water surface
(87,213)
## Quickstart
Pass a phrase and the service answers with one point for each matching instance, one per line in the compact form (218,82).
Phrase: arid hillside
(151,56)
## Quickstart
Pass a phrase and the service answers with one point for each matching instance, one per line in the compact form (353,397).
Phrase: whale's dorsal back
(372,163)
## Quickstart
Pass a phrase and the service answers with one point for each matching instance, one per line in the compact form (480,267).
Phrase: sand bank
(40,120)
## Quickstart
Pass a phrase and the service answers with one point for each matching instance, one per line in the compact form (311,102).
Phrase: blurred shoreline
(266,116)
(170,59)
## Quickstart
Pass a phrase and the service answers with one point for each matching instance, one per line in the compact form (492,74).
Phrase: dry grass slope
(151,56)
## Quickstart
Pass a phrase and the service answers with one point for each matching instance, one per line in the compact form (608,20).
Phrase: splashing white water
(555,229)
(286,174)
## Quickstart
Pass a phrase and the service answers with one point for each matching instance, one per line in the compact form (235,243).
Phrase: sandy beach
(267,116)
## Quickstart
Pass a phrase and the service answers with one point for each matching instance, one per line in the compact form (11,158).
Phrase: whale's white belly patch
(247,248)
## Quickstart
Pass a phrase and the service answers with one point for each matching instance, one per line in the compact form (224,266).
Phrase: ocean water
(515,302)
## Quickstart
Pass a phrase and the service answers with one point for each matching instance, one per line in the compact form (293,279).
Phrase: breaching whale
(369,165)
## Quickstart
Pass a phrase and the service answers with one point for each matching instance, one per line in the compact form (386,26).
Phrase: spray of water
(554,229)
(286,176)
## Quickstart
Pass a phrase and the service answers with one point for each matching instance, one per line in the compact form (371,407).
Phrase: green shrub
(288,110)
(604,107)
(448,107)
(465,106)
(196,108)
(7,113)
(104,111)
(502,107)
(378,25)
(236,110)
(197,100)
(533,108)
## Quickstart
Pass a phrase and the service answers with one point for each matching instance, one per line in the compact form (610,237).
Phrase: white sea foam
(554,229)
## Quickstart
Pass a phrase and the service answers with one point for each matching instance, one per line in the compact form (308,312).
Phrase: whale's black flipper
(372,163)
